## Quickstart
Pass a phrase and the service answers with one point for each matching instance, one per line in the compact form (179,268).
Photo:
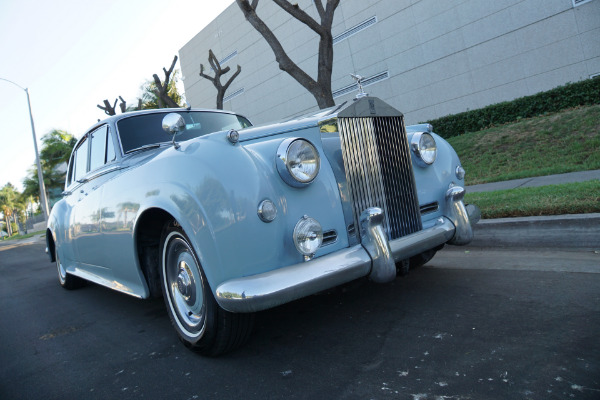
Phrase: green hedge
(570,95)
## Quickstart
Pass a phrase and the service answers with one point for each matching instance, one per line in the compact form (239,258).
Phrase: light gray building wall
(428,58)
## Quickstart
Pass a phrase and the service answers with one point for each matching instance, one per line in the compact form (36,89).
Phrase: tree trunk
(321,88)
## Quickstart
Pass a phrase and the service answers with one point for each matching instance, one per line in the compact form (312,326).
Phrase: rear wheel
(200,322)
(65,279)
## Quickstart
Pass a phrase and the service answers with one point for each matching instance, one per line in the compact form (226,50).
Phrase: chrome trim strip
(111,284)
(329,237)
(280,286)
(103,172)
(429,208)
(244,136)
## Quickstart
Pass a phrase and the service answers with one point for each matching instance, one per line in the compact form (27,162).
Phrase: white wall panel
(442,56)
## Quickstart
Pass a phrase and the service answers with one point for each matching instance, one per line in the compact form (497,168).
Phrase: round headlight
(423,146)
(297,162)
(460,172)
(308,236)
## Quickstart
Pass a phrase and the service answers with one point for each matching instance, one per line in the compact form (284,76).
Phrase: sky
(73,54)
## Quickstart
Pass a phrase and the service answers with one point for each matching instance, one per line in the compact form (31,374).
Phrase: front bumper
(375,257)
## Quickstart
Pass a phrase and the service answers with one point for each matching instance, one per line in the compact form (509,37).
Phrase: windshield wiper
(145,147)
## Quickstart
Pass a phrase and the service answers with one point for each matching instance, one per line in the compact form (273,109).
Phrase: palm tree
(8,196)
(56,150)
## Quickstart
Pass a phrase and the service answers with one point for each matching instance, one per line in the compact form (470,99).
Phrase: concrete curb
(560,231)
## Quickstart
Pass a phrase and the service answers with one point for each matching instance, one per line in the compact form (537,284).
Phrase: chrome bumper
(375,257)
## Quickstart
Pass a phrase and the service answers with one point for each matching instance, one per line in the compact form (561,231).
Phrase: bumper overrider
(375,257)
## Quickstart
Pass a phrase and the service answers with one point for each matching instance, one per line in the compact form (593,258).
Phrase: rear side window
(81,160)
(98,151)
(110,148)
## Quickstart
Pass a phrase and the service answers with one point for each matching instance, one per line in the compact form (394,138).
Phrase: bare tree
(108,109)
(122,105)
(321,88)
(111,109)
(165,92)
(216,80)
(162,88)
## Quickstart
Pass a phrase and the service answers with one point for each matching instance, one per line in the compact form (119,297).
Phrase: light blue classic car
(224,219)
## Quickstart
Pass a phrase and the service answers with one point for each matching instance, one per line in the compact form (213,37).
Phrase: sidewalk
(537,181)
(572,231)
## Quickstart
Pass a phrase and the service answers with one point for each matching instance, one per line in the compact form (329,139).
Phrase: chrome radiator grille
(379,171)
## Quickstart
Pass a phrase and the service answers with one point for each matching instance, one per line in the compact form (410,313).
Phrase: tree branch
(285,63)
(319,7)
(300,15)
(122,105)
(226,85)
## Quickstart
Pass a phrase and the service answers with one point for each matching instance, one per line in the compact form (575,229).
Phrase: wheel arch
(50,245)
(147,235)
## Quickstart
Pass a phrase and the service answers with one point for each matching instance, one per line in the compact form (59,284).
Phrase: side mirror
(173,124)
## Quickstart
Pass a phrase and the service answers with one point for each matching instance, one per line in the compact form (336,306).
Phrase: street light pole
(43,198)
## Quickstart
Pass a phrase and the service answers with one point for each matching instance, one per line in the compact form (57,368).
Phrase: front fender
(434,180)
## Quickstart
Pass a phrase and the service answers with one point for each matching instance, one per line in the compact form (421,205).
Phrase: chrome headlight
(308,236)
(460,173)
(423,146)
(297,162)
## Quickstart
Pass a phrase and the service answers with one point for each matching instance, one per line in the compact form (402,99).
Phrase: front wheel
(421,259)
(200,322)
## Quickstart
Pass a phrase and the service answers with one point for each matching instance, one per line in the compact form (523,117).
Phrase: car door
(71,195)
(87,209)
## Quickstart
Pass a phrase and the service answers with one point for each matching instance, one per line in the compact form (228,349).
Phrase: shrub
(570,95)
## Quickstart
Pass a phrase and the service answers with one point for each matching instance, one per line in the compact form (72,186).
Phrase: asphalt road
(474,324)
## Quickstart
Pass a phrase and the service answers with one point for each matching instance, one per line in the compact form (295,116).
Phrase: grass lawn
(570,198)
(552,144)
(567,141)
(28,235)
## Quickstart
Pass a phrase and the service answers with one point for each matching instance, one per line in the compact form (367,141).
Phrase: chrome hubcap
(184,284)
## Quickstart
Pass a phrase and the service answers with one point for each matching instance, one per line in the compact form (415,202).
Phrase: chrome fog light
(424,148)
(267,212)
(297,162)
(460,172)
(308,236)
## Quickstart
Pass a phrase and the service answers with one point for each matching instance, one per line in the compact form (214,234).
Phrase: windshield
(143,130)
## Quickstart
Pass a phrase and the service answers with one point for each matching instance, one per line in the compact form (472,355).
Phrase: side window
(70,172)
(81,159)
(110,149)
(98,143)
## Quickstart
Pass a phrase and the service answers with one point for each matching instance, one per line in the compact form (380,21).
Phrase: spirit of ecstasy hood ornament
(361,93)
